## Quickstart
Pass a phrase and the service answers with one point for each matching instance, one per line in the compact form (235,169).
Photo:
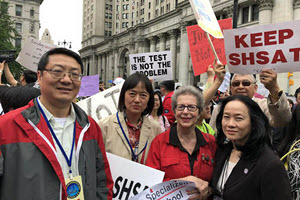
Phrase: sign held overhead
(274,46)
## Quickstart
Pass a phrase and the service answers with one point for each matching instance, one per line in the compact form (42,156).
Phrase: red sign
(201,53)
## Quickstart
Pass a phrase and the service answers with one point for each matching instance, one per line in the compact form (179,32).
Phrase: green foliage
(7,35)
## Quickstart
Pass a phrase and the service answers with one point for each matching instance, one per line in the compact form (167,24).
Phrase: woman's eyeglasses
(181,107)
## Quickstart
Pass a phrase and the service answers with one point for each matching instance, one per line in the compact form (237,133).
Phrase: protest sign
(225,83)
(200,49)
(89,86)
(155,65)
(273,46)
(169,190)
(102,104)
(206,18)
(131,178)
(32,52)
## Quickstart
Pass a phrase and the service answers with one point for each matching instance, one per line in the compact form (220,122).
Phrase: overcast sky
(63,18)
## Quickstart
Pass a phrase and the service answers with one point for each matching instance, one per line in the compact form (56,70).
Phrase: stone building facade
(26,15)
(109,57)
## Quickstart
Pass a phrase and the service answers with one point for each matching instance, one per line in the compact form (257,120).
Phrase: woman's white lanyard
(69,161)
(134,156)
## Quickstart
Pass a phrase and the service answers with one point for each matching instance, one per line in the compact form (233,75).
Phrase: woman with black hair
(157,112)
(289,151)
(129,132)
(246,167)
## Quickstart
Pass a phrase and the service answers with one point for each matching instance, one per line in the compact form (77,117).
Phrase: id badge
(74,188)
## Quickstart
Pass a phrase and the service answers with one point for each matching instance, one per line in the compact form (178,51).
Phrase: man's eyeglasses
(244,83)
(181,107)
(60,73)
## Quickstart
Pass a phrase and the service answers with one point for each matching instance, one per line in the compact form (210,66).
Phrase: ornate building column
(296,9)
(116,64)
(265,11)
(162,42)
(111,64)
(94,65)
(184,55)
(153,40)
(173,48)
(107,70)
(141,45)
(103,69)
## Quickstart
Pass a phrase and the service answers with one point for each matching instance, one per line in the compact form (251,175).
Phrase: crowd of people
(231,144)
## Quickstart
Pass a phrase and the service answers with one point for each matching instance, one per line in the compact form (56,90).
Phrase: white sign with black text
(32,52)
(155,65)
(131,178)
(102,104)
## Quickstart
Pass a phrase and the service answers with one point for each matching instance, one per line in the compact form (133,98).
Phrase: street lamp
(65,44)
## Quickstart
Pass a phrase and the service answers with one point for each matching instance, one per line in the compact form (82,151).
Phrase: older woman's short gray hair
(188,90)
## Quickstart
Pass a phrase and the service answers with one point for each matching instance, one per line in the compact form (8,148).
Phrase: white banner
(103,104)
(32,52)
(155,65)
(273,46)
(131,178)
(169,190)
(206,17)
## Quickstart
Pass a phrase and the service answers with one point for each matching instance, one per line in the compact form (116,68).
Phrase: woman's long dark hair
(291,132)
(260,128)
(160,108)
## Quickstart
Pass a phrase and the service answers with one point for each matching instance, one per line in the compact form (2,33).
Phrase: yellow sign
(206,17)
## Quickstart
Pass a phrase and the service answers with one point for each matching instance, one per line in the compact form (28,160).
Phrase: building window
(109,33)
(255,12)
(117,25)
(123,24)
(106,33)
(142,11)
(31,28)
(18,42)
(19,27)
(149,5)
(142,2)
(117,8)
(31,13)
(245,15)
(149,15)
(157,2)
(142,20)
(18,10)
(162,1)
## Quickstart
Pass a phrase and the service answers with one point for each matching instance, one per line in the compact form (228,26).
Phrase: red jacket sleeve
(99,170)
(168,112)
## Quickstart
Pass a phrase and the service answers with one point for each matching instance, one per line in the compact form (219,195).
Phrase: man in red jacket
(50,149)
(167,90)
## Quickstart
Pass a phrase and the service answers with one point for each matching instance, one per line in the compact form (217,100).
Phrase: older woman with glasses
(183,151)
